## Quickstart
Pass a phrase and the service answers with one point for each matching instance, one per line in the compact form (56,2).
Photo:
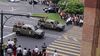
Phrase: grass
(53,16)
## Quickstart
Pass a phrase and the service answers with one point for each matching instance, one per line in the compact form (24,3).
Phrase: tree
(62,4)
(55,1)
(72,6)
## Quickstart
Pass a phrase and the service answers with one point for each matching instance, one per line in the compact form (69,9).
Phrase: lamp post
(1,34)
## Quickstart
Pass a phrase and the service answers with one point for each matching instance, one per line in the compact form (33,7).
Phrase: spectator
(69,21)
(29,53)
(19,49)
(36,49)
(44,53)
(75,20)
(55,53)
(62,14)
(33,53)
(80,22)
(40,54)
(25,52)
(44,46)
(20,53)
(12,42)
(14,50)
(9,51)
(9,42)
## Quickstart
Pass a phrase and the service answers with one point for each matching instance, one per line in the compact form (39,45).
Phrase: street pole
(2,33)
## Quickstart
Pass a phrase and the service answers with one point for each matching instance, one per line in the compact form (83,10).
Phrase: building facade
(91,29)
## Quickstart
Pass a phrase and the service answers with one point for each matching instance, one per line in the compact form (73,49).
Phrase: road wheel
(41,26)
(18,33)
(58,29)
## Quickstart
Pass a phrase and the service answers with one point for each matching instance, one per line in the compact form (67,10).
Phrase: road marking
(65,37)
(8,27)
(75,39)
(52,35)
(70,37)
(34,18)
(9,35)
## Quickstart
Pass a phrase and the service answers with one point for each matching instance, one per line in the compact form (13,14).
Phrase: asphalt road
(25,8)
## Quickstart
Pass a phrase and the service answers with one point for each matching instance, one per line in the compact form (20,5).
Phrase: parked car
(51,24)
(33,2)
(30,30)
(50,10)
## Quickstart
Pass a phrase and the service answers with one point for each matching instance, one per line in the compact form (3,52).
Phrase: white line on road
(52,35)
(9,35)
(34,18)
(8,27)
(65,36)
(75,39)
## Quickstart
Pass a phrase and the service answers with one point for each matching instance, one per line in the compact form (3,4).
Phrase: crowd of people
(12,50)
(74,19)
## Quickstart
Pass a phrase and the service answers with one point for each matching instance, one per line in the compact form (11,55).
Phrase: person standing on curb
(20,53)
(33,53)
(44,46)
(29,52)
(25,52)
(9,51)
(19,48)
(14,50)
(40,53)
(36,50)
(55,53)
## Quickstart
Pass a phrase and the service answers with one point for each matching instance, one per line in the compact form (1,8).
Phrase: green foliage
(62,3)
(55,1)
(72,6)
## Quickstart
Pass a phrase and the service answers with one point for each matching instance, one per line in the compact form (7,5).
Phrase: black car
(50,9)
(34,2)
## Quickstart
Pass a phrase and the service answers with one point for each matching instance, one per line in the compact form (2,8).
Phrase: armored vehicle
(26,29)
(51,24)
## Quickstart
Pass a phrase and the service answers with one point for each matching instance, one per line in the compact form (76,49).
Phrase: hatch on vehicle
(31,27)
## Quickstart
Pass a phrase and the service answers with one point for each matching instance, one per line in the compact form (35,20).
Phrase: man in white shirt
(12,42)
(9,42)
(9,51)
(69,19)
(36,49)
(55,53)
(19,48)
(25,52)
